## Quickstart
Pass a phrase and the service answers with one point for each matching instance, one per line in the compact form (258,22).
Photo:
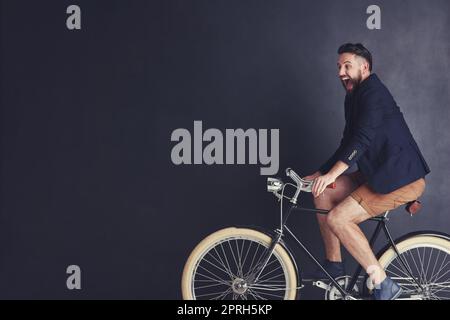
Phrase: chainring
(333,293)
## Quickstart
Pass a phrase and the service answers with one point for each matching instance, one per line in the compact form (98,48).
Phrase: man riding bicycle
(391,169)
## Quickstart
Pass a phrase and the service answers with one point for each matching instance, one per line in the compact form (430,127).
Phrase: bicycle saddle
(413,207)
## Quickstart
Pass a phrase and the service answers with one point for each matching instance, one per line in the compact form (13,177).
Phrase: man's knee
(336,220)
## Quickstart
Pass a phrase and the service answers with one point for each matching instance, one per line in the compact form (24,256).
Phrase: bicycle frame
(346,292)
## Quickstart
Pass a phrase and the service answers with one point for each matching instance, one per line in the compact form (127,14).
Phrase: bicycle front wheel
(427,258)
(226,265)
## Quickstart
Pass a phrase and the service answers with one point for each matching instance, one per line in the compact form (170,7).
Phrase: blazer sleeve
(370,116)
(356,140)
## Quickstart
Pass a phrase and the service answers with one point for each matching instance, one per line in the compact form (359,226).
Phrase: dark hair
(359,50)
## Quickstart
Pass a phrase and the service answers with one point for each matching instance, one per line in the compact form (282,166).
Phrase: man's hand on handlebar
(312,176)
(320,183)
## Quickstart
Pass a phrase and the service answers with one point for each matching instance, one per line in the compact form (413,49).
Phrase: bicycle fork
(266,258)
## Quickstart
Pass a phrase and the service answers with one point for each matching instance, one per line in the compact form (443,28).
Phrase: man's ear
(366,66)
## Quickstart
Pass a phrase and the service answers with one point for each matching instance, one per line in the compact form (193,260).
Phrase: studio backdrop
(96,97)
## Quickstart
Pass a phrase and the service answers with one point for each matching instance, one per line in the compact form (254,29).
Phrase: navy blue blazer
(377,138)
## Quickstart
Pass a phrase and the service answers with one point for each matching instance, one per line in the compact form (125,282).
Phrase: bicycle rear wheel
(225,266)
(428,259)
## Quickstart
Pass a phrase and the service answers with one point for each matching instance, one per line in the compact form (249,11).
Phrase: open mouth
(348,84)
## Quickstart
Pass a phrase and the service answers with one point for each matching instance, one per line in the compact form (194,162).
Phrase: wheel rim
(230,270)
(429,265)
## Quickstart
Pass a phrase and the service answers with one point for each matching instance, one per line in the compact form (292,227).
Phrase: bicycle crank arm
(321,285)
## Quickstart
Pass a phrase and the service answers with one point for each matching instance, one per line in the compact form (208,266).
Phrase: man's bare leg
(343,221)
(327,201)
(331,242)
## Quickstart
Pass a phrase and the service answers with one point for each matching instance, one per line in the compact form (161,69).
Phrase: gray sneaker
(387,290)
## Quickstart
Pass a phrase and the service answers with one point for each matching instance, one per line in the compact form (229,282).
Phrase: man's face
(349,70)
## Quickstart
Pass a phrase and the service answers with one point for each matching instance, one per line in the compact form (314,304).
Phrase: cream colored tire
(428,258)
(210,250)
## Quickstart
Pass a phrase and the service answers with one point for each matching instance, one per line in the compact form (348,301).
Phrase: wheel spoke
(267,287)
(435,277)
(227,267)
(253,259)
(239,253)
(268,294)
(429,260)
(210,285)
(436,261)
(216,277)
(422,271)
(234,257)
(222,295)
(445,289)
(258,263)
(209,294)
(246,254)
(270,272)
(253,271)
(216,266)
(226,259)
(417,268)
(256,295)
(405,277)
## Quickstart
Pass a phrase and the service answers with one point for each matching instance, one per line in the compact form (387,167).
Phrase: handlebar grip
(294,176)
(332,185)
(288,170)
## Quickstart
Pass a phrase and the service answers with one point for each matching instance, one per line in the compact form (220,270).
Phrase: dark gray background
(86,119)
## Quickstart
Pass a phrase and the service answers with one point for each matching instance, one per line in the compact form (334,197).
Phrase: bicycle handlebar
(302,182)
(274,185)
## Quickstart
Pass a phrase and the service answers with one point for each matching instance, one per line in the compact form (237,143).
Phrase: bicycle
(252,264)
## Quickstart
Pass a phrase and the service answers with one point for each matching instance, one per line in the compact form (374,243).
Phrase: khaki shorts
(377,203)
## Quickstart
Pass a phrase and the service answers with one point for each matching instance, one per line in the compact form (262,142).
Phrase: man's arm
(337,170)
(321,182)
(369,118)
